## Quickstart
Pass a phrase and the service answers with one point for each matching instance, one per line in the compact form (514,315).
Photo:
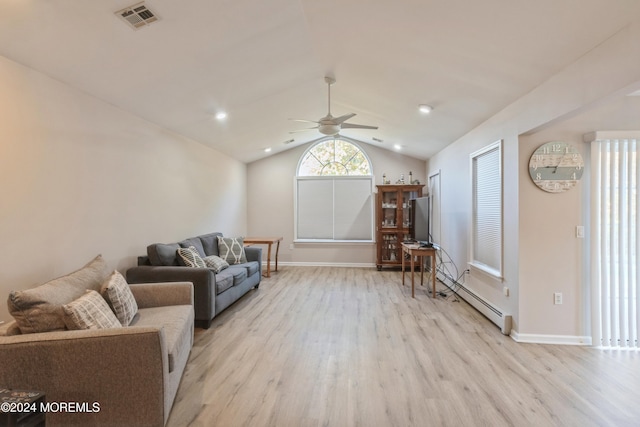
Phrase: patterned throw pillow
(216,263)
(191,257)
(90,311)
(118,294)
(232,250)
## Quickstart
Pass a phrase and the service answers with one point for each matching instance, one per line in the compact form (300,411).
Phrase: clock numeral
(556,148)
(573,176)
(538,175)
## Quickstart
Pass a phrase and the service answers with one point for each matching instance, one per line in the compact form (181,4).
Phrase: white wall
(562,265)
(532,245)
(270,193)
(79,177)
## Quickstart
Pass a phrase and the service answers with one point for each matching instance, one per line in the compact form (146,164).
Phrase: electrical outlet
(580,231)
(557,298)
(505,291)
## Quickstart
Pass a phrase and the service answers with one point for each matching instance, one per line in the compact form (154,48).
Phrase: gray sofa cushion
(239,274)
(252,267)
(210,243)
(163,254)
(196,243)
(223,282)
(176,321)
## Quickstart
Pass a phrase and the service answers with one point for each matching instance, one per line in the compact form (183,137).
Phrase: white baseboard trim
(322,264)
(550,339)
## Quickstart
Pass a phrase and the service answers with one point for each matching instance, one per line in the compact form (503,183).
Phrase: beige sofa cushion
(90,311)
(118,294)
(177,321)
(40,309)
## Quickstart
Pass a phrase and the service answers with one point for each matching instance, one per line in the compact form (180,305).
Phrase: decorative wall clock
(556,166)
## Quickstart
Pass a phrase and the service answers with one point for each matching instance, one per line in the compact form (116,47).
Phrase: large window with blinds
(334,194)
(486,217)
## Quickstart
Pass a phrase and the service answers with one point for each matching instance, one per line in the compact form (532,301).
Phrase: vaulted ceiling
(263,62)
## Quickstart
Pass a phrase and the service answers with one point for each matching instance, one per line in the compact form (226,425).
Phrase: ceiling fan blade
(355,126)
(303,120)
(303,130)
(338,120)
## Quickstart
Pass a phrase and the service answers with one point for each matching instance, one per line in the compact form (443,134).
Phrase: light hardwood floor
(320,346)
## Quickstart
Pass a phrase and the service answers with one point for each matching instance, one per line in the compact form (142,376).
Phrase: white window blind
(486,226)
(334,208)
(615,239)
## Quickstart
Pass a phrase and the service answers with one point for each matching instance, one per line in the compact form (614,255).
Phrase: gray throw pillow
(232,250)
(215,263)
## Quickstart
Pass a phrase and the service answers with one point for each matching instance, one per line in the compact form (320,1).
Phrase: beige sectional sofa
(131,372)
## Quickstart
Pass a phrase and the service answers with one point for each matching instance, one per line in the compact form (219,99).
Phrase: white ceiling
(263,61)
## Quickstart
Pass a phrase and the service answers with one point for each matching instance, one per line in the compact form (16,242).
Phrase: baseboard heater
(491,312)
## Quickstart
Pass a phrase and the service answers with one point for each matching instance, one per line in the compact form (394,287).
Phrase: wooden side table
(415,251)
(248,241)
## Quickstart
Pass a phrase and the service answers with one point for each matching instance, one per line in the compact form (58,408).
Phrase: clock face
(556,166)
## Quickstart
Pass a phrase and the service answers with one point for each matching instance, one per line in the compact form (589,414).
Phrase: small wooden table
(248,241)
(415,251)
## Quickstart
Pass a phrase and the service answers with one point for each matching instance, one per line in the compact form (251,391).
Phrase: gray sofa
(132,372)
(213,292)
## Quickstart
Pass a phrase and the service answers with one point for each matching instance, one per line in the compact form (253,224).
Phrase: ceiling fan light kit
(329,125)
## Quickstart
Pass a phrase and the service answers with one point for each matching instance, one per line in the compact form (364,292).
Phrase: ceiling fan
(329,125)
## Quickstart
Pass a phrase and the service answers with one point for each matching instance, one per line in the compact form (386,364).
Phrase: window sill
(490,272)
(341,242)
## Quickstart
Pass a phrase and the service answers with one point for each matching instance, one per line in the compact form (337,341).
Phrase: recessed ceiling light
(425,109)
(267,150)
(221,115)
(397,147)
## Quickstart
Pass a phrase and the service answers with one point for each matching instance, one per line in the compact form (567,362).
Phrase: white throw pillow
(119,296)
(90,311)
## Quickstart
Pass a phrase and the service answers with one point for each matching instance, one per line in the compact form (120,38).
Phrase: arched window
(334,157)
(334,193)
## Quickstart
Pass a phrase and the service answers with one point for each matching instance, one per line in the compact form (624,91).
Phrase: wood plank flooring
(321,346)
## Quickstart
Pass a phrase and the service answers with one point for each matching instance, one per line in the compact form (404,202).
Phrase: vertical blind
(487,209)
(616,241)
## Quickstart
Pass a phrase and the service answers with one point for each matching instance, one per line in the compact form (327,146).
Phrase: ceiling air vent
(137,15)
